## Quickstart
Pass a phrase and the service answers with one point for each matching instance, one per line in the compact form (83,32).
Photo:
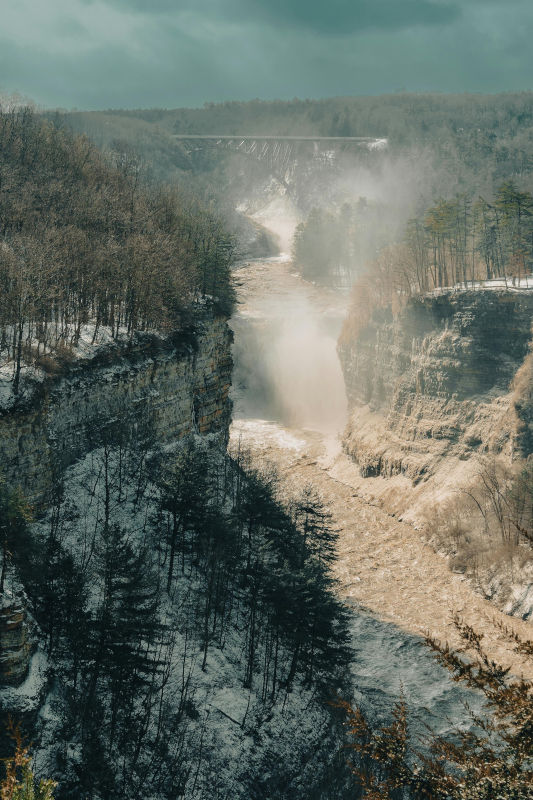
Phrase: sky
(93,54)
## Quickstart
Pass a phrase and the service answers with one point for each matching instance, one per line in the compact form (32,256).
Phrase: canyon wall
(431,389)
(171,386)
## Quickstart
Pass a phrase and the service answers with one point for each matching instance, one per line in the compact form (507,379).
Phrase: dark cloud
(337,17)
(131,53)
(346,17)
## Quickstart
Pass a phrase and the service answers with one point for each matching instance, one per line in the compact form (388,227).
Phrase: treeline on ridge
(400,116)
(83,241)
(457,242)
(481,139)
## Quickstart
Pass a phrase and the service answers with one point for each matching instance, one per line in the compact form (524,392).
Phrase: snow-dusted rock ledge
(168,385)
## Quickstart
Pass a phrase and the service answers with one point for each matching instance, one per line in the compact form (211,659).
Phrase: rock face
(14,643)
(23,670)
(164,387)
(434,383)
(171,386)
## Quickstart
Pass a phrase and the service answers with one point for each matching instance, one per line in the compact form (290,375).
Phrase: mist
(286,364)
(286,329)
(383,188)
(280,216)
(305,369)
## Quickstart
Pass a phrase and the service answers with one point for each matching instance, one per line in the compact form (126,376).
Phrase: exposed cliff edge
(172,385)
(434,382)
(160,387)
(434,392)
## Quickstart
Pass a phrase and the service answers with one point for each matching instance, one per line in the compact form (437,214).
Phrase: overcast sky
(144,53)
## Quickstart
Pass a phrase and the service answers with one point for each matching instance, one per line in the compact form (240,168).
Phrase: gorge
(290,409)
(185,614)
(385,564)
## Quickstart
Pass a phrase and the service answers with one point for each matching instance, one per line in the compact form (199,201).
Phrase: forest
(151,569)
(398,116)
(459,242)
(85,242)
(478,139)
(153,573)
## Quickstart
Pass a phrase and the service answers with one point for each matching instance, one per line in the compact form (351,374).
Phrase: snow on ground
(88,345)
(83,348)
(240,736)
(28,696)
(388,662)
(495,284)
(30,378)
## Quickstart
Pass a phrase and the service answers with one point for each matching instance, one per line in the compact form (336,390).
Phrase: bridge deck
(246,136)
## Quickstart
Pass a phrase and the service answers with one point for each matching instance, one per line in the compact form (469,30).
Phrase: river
(290,409)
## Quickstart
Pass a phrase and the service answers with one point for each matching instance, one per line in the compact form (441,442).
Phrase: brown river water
(290,410)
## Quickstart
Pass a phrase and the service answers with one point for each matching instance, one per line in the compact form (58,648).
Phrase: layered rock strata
(434,383)
(168,386)
(14,642)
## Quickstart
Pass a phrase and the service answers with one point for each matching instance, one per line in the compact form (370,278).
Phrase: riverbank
(383,563)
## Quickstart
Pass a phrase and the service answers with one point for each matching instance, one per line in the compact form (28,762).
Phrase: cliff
(433,383)
(14,642)
(441,418)
(171,385)
(161,386)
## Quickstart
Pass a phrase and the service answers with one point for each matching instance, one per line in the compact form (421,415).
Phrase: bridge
(261,138)
(280,153)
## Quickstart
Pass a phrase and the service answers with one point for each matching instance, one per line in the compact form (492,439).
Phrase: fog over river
(290,407)
(286,365)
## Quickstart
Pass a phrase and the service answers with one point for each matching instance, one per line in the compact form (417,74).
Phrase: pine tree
(15,514)
(316,526)
(120,658)
(186,490)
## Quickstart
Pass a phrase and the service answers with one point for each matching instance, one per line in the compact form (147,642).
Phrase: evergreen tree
(186,490)
(17,543)
(121,660)
(315,524)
